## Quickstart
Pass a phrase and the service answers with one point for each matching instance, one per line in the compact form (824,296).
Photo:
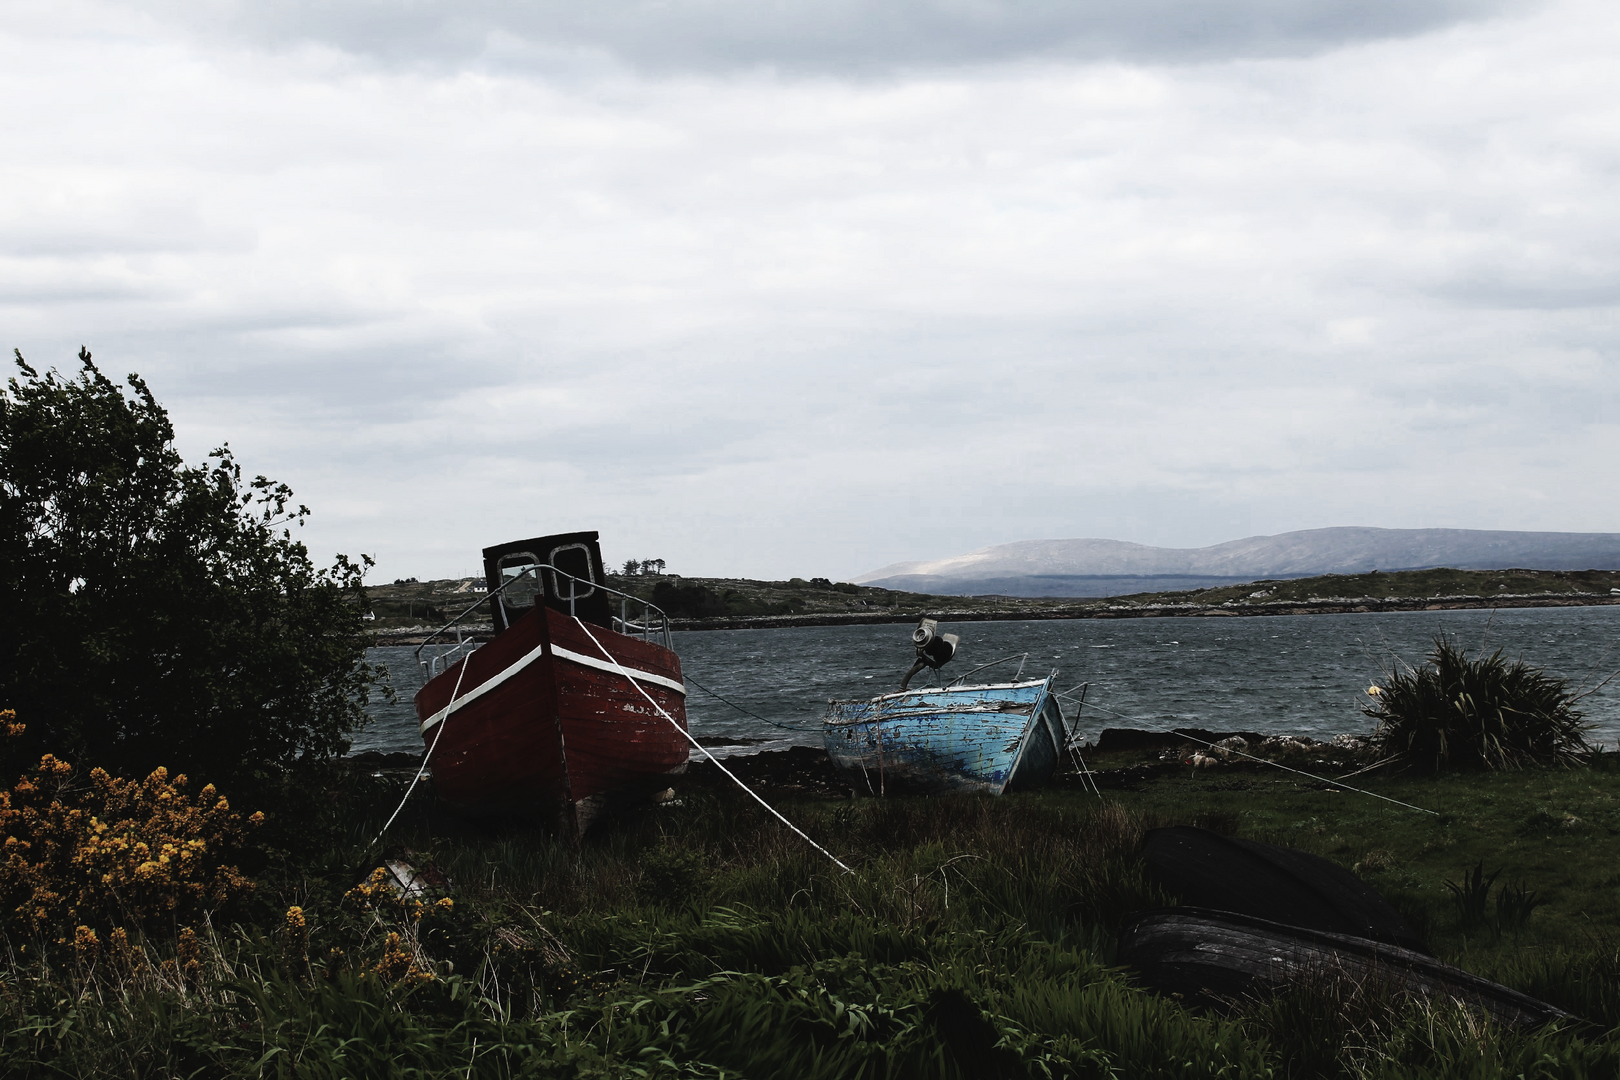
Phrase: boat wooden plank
(1218,958)
(535,734)
(498,755)
(1206,869)
(989,738)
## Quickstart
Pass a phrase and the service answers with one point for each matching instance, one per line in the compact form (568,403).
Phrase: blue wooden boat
(993,738)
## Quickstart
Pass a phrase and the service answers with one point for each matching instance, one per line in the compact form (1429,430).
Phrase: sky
(814,286)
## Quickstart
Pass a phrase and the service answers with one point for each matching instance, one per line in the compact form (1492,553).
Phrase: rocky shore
(415,635)
(806,770)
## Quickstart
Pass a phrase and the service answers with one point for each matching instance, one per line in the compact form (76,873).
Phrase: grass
(702,939)
(1555,829)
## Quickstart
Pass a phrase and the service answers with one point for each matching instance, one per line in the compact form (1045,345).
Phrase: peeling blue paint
(993,738)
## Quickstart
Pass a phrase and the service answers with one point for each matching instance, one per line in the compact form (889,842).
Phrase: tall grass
(1457,711)
(695,940)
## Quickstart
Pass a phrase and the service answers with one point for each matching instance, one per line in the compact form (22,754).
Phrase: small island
(406,610)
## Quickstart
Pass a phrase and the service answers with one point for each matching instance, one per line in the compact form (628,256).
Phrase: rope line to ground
(1274,764)
(466,662)
(705,750)
(785,727)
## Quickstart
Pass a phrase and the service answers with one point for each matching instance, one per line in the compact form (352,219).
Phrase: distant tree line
(643,567)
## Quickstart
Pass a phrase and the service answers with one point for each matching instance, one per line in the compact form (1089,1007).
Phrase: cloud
(826,37)
(758,321)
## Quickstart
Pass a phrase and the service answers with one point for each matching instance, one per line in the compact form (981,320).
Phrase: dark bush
(160,614)
(689,601)
(672,877)
(1484,712)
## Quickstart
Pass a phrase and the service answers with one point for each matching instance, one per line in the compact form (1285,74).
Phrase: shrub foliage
(136,853)
(160,614)
(1458,711)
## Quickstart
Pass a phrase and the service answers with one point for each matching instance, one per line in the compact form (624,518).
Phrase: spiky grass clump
(1458,711)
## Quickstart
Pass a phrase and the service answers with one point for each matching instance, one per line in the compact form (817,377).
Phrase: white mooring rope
(676,724)
(466,662)
(1263,761)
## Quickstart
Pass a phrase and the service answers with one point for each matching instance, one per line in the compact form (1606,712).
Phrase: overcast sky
(813,286)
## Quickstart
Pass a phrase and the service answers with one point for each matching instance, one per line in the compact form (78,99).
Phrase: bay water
(749,690)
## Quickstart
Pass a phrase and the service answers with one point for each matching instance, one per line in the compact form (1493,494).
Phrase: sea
(753,690)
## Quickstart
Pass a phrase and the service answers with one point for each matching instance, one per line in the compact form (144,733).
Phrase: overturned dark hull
(1218,959)
(1279,884)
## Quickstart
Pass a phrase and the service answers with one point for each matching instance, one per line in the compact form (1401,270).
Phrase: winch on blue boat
(991,737)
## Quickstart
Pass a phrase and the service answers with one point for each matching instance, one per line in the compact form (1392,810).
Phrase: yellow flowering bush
(381,898)
(295,941)
(127,959)
(112,852)
(400,962)
(380,893)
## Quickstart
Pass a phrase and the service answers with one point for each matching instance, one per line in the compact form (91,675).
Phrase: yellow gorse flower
(119,850)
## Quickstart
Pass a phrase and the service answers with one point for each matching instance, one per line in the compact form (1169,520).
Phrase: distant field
(700,603)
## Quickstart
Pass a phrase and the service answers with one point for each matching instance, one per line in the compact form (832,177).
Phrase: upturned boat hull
(993,739)
(540,724)
(1265,881)
(1221,959)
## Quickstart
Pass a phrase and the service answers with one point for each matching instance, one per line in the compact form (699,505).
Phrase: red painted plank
(505,751)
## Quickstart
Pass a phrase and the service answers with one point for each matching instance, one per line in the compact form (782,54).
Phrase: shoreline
(807,770)
(1336,606)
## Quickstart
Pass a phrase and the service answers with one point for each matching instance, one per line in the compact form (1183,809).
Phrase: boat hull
(1265,881)
(540,724)
(992,739)
(1221,959)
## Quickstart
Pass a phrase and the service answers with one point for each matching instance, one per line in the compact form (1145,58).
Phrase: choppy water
(1299,674)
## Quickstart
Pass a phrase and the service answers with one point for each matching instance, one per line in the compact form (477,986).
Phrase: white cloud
(763,323)
(810,36)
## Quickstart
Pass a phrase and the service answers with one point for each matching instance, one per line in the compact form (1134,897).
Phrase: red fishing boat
(576,704)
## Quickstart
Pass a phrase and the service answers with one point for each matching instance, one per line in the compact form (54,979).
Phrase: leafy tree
(160,614)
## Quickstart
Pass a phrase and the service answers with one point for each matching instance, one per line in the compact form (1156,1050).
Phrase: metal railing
(1022,658)
(653,622)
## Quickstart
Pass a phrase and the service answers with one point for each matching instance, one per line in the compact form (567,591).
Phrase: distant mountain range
(1114,567)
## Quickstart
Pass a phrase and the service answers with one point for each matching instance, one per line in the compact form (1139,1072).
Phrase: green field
(974,938)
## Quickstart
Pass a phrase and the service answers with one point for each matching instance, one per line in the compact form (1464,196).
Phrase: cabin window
(575,560)
(520,590)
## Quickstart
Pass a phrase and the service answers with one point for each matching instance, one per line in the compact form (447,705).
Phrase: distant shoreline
(1364,605)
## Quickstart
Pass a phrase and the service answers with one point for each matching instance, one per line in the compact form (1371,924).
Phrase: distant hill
(1114,567)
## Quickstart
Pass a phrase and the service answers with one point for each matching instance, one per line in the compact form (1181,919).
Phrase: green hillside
(700,602)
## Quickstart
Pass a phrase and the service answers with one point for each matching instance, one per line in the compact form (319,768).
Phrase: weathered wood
(1219,958)
(540,735)
(993,738)
(1280,884)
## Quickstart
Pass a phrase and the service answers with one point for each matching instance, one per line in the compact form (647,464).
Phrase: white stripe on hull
(620,669)
(530,657)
